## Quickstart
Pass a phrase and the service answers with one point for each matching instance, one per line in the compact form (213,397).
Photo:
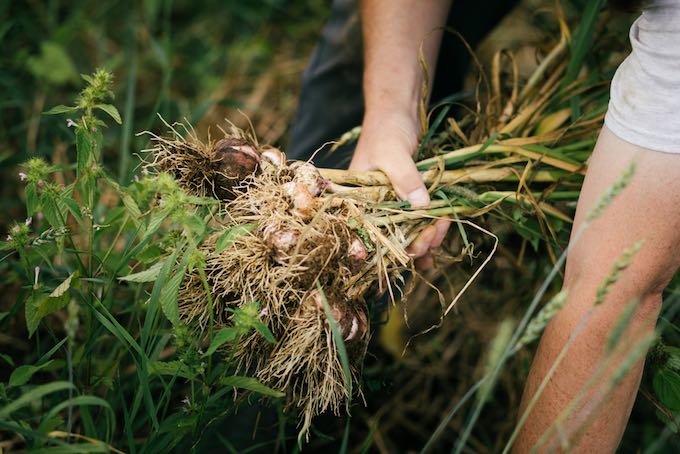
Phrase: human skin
(646,210)
(393,31)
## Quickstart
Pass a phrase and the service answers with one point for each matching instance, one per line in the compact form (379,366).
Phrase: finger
(425,262)
(442,227)
(421,244)
(359,162)
(407,181)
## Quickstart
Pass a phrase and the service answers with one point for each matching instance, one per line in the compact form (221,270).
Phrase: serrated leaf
(64,286)
(148,275)
(168,298)
(264,330)
(156,221)
(173,368)
(73,208)
(22,374)
(195,224)
(31,312)
(131,207)
(32,200)
(251,384)
(88,144)
(83,150)
(111,110)
(667,388)
(40,305)
(50,210)
(222,337)
(231,235)
(60,109)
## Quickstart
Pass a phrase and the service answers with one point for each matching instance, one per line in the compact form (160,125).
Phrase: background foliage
(86,352)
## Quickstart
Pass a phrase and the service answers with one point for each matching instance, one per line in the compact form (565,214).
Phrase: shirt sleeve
(644,107)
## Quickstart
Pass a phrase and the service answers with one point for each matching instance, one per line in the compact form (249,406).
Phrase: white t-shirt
(644,108)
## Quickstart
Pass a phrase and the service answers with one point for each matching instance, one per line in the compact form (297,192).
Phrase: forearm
(393,31)
(589,387)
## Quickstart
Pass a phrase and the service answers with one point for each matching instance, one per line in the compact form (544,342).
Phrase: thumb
(407,181)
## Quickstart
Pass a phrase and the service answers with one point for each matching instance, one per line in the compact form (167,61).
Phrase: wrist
(398,95)
(397,124)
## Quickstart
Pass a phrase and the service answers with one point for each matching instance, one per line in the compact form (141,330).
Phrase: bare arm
(393,31)
(646,210)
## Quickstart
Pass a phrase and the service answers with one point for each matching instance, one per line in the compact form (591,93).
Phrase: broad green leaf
(32,200)
(222,337)
(32,313)
(148,275)
(251,384)
(168,297)
(156,221)
(195,224)
(84,149)
(64,286)
(111,110)
(51,211)
(150,254)
(231,235)
(60,109)
(667,388)
(22,374)
(40,305)
(131,207)
(264,330)
(172,368)
(53,65)
(73,208)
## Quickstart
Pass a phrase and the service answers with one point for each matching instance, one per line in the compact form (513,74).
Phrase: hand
(387,144)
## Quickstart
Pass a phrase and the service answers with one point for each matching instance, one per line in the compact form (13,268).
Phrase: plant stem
(478,174)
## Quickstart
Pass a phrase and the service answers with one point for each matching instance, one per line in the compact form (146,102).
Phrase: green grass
(108,359)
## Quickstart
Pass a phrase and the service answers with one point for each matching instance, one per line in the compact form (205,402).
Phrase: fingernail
(418,198)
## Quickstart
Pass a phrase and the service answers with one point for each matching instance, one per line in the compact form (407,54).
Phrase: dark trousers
(331,102)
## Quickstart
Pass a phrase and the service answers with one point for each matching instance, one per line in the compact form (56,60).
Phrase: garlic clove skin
(282,241)
(303,201)
(357,250)
(309,176)
(353,330)
(273,156)
(363,323)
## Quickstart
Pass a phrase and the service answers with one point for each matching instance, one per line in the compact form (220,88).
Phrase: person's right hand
(387,143)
